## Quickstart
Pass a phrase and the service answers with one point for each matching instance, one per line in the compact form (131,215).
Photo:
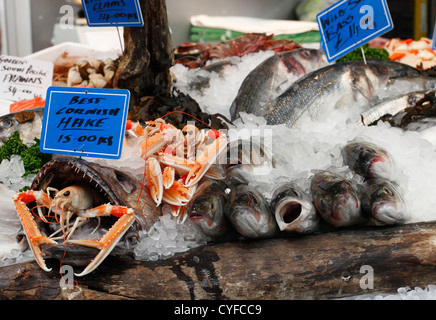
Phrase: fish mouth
(197,217)
(387,212)
(62,172)
(288,212)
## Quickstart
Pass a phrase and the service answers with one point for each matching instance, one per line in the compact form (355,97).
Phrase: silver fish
(250,214)
(293,210)
(391,106)
(316,95)
(384,201)
(368,160)
(206,209)
(28,123)
(335,199)
(272,77)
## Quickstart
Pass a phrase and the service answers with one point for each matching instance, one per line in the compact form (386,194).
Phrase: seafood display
(227,188)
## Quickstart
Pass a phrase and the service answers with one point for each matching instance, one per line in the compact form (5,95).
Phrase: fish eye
(322,205)
(66,193)
(305,53)
(252,198)
(6,123)
(387,191)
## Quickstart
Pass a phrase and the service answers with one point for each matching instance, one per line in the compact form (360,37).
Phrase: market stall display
(314,158)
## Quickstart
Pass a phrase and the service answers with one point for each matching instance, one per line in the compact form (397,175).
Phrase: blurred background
(29,26)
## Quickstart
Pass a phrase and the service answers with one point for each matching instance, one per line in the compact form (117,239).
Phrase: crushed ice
(167,237)
(403,293)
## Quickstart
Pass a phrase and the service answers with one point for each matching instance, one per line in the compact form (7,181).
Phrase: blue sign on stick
(348,24)
(84,122)
(109,13)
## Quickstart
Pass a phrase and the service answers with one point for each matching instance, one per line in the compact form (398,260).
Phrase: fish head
(335,199)
(387,203)
(206,208)
(28,123)
(367,160)
(250,214)
(311,58)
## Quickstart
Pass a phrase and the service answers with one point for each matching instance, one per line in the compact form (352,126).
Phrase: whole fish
(335,199)
(206,209)
(250,214)
(315,96)
(28,123)
(384,201)
(272,77)
(293,211)
(367,160)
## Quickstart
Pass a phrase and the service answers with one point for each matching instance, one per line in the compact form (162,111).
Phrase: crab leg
(111,237)
(33,235)
(206,158)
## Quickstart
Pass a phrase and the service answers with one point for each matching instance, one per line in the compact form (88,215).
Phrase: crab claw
(205,160)
(109,240)
(155,180)
(168,177)
(182,216)
(178,194)
(33,235)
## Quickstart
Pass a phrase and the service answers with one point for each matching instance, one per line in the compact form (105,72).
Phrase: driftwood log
(148,55)
(322,266)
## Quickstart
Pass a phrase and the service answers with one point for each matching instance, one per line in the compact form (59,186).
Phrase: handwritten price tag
(349,24)
(109,13)
(84,122)
(24,79)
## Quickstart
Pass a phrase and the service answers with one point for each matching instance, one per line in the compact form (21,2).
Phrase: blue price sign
(109,13)
(84,122)
(433,43)
(348,24)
